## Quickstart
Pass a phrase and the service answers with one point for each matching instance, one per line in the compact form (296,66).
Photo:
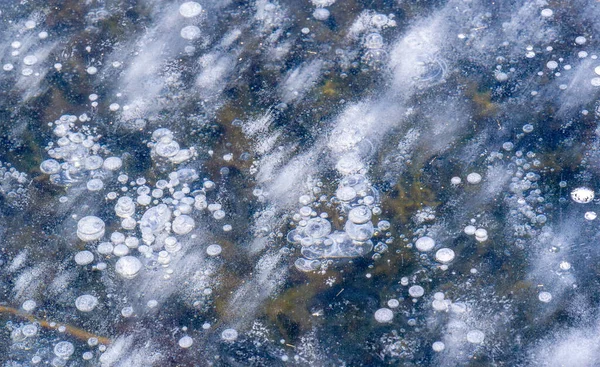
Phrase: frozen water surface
(306,183)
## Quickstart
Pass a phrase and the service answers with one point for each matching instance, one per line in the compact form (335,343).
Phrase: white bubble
(481,235)
(30,24)
(438,346)
(384,315)
(64,349)
(229,335)
(120,250)
(455,180)
(43,35)
(190,9)
(582,195)
(30,60)
(186,342)
(50,166)
(90,228)
(551,64)
(105,248)
(183,224)
(7,67)
(95,184)
(475,336)
(416,291)
(112,163)
(360,214)
(547,12)
(393,303)
(86,303)
(580,40)
(321,14)
(595,82)
(470,230)
(29,330)
(92,70)
(444,255)
(545,297)
(127,311)
(190,32)
(128,267)
(590,215)
(213,250)
(317,227)
(473,178)
(125,207)
(425,244)
(167,148)
(29,305)
(114,107)
(84,257)
(597,70)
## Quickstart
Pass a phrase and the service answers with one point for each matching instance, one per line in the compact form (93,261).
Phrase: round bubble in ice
(359,232)
(190,9)
(95,184)
(229,335)
(90,228)
(64,349)
(128,266)
(84,257)
(384,315)
(30,60)
(360,214)
(473,178)
(317,227)
(374,41)
(475,336)
(582,195)
(190,32)
(444,255)
(166,148)
(545,297)
(125,207)
(186,342)
(416,291)
(438,346)
(183,224)
(213,250)
(425,243)
(29,330)
(86,303)
(321,14)
(50,166)
(470,230)
(112,163)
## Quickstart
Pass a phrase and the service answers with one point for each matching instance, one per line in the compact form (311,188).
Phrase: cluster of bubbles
(319,242)
(153,218)
(13,185)
(22,52)
(190,10)
(165,147)
(77,156)
(527,204)
(373,42)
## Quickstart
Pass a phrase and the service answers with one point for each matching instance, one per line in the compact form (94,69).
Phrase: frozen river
(299,182)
